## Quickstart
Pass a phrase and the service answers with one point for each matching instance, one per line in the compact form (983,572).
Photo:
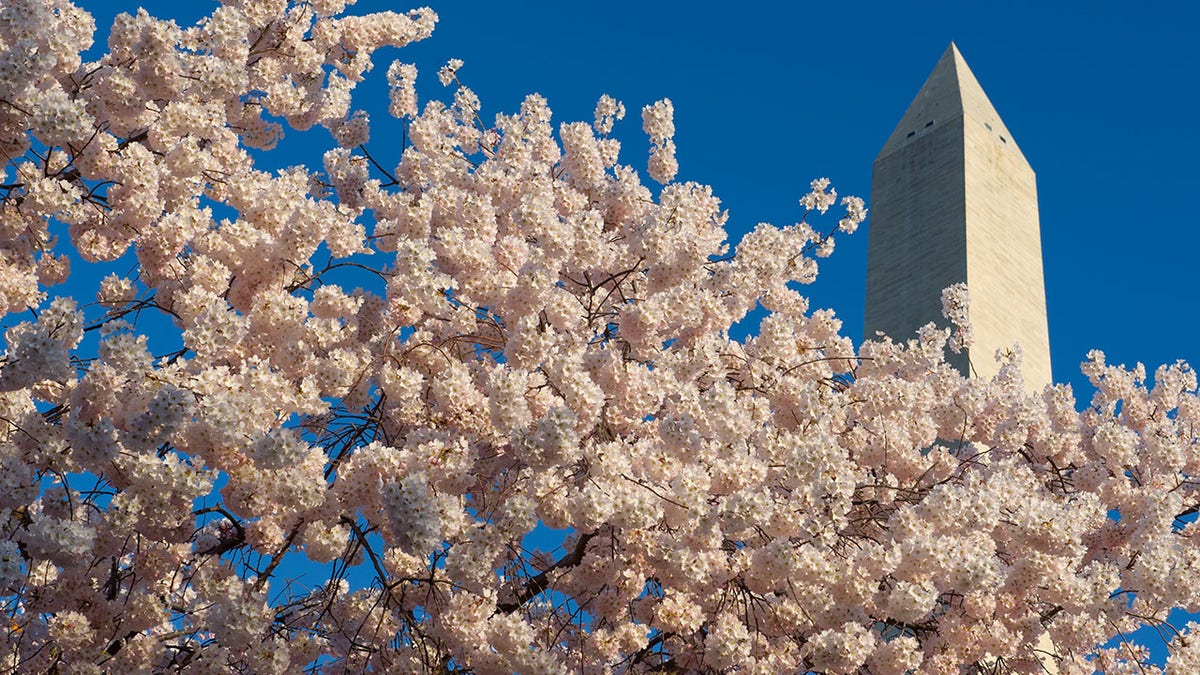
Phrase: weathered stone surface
(953,199)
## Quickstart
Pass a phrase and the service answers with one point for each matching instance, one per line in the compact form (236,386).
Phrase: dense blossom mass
(537,340)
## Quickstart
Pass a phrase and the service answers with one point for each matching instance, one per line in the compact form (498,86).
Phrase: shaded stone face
(953,200)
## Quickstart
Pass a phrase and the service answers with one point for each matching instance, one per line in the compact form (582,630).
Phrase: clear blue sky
(1100,96)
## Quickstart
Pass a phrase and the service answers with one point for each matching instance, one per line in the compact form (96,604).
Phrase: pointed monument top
(951,90)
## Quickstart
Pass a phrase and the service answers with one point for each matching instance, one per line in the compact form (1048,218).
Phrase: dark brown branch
(536,585)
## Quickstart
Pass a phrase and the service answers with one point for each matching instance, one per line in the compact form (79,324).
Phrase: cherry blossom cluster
(658,123)
(403,363)
(956,306)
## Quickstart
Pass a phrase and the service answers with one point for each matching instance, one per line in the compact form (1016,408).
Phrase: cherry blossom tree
(537,339)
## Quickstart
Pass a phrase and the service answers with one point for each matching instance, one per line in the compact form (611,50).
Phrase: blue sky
(1100,96)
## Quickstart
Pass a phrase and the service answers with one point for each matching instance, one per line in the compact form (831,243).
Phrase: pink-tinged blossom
(39,351)
(608,111)
(658,121)
(841,650)
(856,213)
(10,564)
(956,307)
(543,341)
(56,539)
(402,78)
(449,72)
(821,197)
(353,131)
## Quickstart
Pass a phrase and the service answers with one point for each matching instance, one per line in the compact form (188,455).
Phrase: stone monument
(954,200)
